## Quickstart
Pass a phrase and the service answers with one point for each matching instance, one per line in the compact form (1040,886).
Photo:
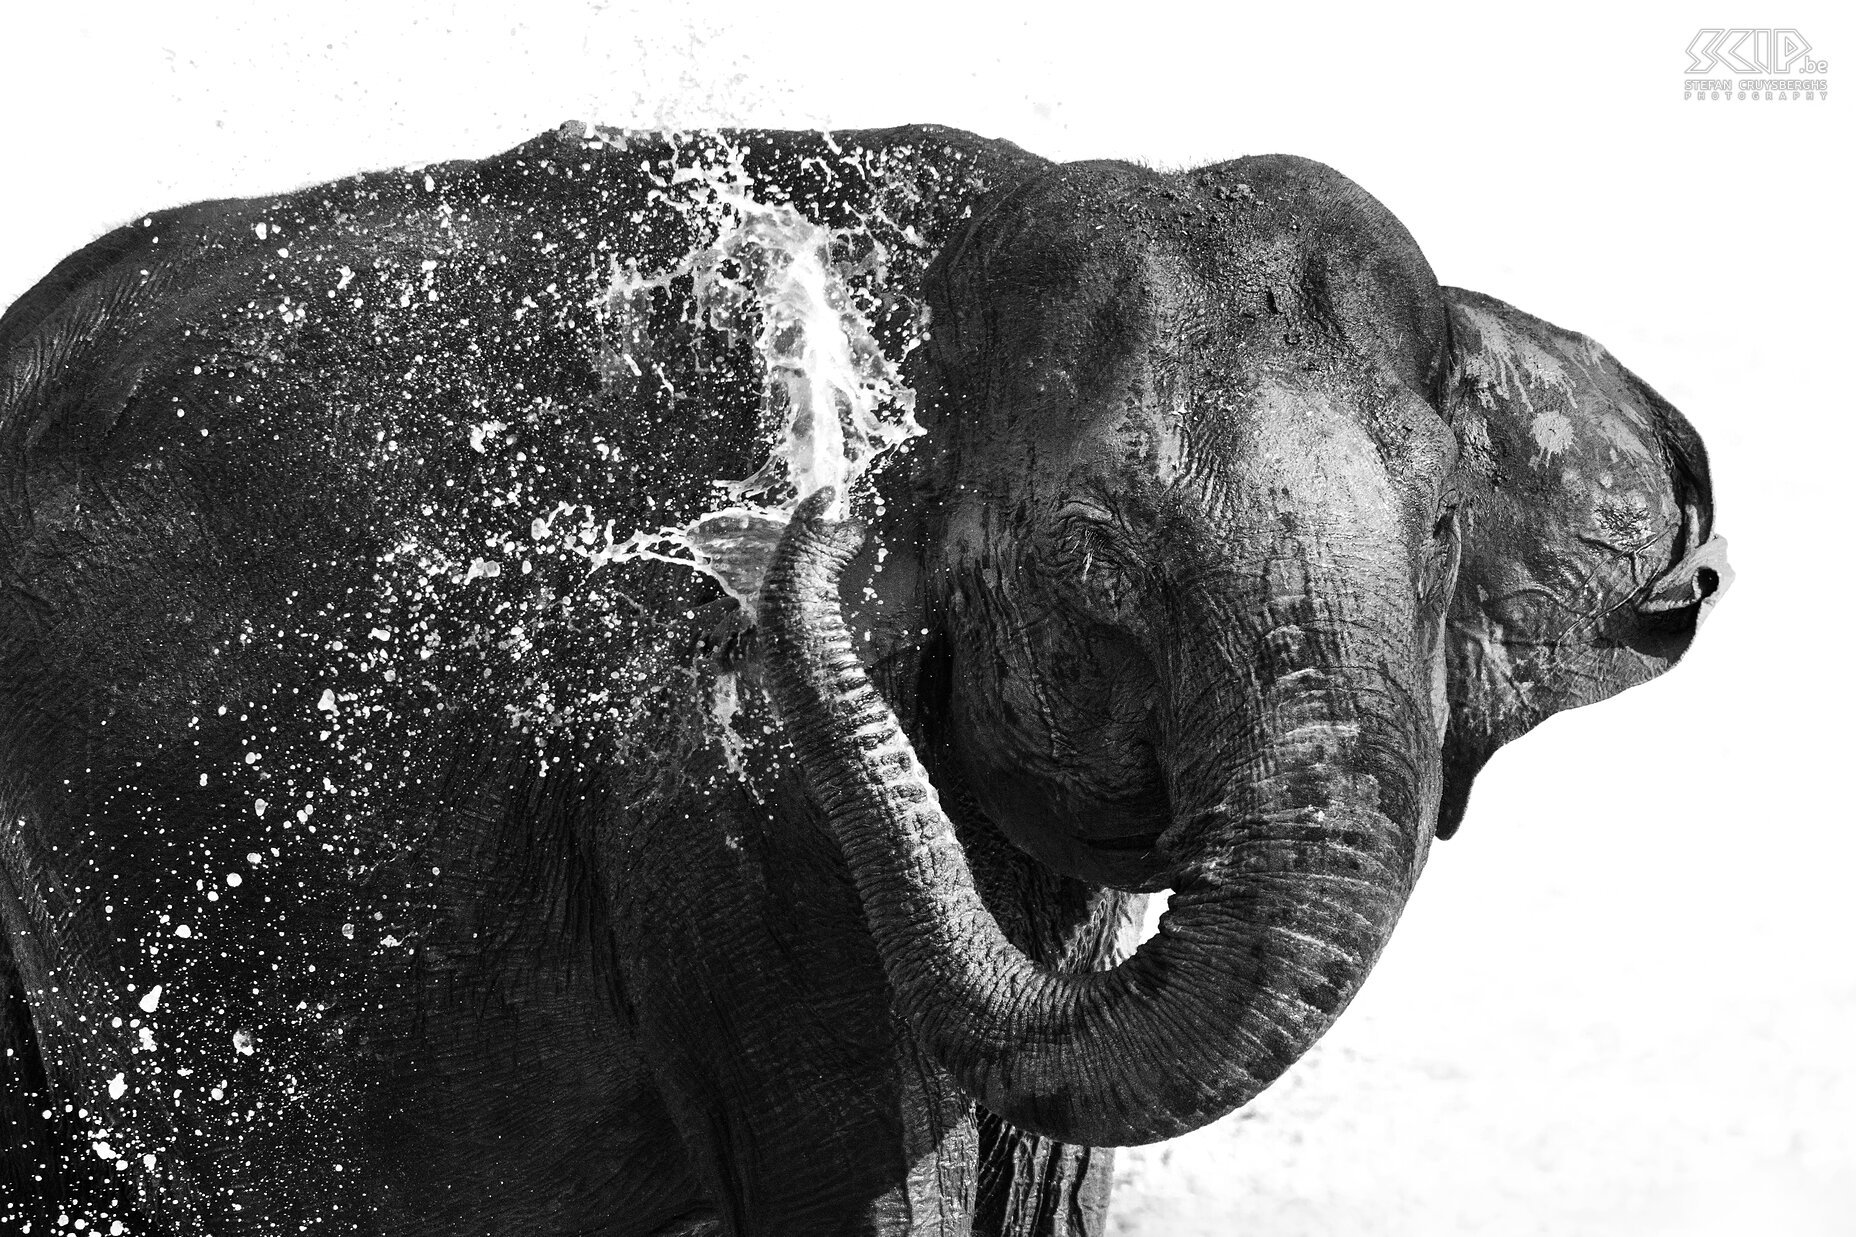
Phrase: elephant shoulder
(51,338)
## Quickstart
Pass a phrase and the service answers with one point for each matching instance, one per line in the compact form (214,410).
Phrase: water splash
(838,402)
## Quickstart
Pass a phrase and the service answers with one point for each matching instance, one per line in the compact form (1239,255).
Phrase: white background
(1623,1000)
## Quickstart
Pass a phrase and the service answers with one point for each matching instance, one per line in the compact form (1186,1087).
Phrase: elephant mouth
(1132,860)
(1133,844)
(1122,854)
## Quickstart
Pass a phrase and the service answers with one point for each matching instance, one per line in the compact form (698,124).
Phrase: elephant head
(1246,544)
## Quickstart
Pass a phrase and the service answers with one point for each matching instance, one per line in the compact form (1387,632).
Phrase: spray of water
(837,401)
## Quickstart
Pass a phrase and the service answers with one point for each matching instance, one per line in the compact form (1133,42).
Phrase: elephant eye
(1441,555)
(1082,523)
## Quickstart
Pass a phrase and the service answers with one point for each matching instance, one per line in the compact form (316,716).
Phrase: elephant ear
(1588,554)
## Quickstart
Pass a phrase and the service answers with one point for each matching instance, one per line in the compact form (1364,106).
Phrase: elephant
(379,852)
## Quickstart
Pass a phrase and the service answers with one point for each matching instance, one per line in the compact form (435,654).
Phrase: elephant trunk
(1301,876)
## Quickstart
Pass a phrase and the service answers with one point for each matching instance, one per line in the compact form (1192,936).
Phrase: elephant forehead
(1114,287)
(1289,459)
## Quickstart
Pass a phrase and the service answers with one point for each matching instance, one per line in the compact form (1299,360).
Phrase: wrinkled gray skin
(580,901)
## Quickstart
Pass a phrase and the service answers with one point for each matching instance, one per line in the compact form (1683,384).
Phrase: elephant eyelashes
(1088,548)
(1083,512)
(1093,556)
